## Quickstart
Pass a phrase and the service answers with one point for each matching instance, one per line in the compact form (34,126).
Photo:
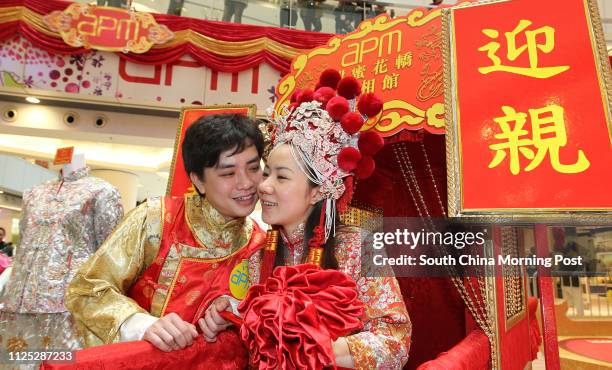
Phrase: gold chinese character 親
(548,136)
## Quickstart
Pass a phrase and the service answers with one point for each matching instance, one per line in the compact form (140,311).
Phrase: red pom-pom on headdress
(369,104)
(330,78)
(305,95)
(365,168)
(349,87)
(370,143)
(337,107)
(348,158)
(323,95)
(351,122)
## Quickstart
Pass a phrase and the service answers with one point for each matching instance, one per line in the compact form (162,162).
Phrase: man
(434,4)
(170,258)
(234,8)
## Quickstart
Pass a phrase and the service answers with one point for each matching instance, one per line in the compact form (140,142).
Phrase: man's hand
(170,333)
(212,323)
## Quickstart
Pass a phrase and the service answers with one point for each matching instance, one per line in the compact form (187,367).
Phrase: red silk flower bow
(290,321)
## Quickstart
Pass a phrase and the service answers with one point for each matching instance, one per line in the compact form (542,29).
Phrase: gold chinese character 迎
(513,51)
(403,60)
(390,81)
(380,66)
(358,71)
(368,86)
(548,136)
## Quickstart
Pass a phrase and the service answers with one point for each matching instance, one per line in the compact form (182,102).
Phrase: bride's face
(286,195)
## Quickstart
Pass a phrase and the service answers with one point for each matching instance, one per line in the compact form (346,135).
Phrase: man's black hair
(1,228)
(209,136)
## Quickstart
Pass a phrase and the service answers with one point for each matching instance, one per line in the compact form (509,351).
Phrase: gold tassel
(315,255)
(267,264)
(271,240)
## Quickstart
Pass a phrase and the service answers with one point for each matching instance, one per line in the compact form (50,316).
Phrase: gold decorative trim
(367,219)
(493,318)
(510,322)
(252,112)
(513,280)
(200,220)
(35,20)
(602,61)
(453,137)
(449,109)
(59,21)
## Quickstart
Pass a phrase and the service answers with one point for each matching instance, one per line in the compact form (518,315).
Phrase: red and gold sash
(195,281)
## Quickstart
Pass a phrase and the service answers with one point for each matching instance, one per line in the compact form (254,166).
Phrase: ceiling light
(32,99)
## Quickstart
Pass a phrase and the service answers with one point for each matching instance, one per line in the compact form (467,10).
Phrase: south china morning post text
(421,252)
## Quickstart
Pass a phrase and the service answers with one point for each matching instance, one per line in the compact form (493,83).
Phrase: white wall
(18,175)
(121,128)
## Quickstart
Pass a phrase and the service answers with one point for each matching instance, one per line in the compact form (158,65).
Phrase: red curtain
(472,353)
(436,310)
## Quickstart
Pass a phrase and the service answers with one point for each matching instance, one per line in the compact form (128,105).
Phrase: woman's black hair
(329,260)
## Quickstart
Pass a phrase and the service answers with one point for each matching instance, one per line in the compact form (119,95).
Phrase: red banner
(179,182)
(106,28)
(531,108)
(399,59)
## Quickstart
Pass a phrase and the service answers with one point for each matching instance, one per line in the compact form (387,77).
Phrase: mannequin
(78,162)
(66,219)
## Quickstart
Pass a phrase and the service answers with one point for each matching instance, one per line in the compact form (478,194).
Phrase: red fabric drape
(227,353)
(228,32)
(210,60)
(472,353)
(535,336)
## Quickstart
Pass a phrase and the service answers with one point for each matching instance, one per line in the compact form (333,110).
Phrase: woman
(289,201)
(306,174)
